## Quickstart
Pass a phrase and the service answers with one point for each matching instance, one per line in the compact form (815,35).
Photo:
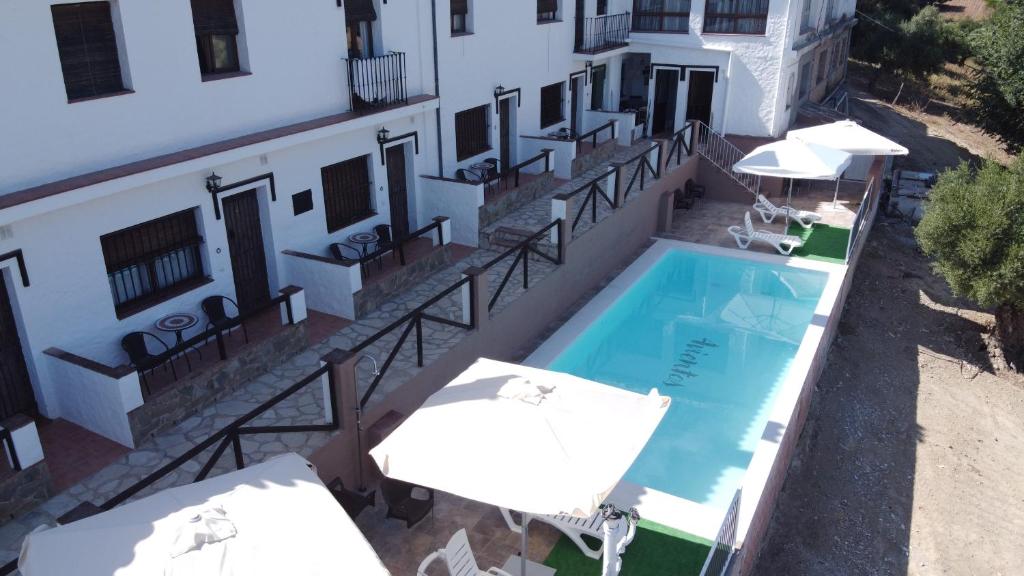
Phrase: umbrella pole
(525,544)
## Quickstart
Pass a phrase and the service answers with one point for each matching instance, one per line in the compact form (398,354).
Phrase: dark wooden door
(574,104)
(597,76)
(245,243)
(666,88)
(698,99)
(579,23)
(398,191)
(16,395)
(505,135)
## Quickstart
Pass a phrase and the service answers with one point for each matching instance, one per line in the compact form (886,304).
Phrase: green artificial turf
(656,551)
(821,242)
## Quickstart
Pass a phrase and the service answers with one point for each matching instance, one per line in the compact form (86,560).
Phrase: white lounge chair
(459,559)
(769,211)
(575,528)
(784,243)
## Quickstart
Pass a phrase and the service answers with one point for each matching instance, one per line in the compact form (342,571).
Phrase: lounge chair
(574,528)
(784,243)
(458,557)
(769,211)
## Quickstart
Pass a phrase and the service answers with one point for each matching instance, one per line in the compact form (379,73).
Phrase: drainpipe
(437,90)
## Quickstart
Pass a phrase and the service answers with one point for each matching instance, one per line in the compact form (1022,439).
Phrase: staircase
(723,154)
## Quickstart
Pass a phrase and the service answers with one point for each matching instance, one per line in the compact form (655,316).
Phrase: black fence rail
(603,33)
(377,82)
(510,176)
(593,134)
(408,322)
(522,253)
(399,244)
(5,437)
(644,166)
(682,141)
(591,191)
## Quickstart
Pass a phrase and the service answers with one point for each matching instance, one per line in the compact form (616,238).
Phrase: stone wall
(195,391)
(595,157)
(372,295)
(514,199)
(24,490)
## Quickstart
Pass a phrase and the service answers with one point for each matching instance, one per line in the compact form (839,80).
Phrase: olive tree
(973,228)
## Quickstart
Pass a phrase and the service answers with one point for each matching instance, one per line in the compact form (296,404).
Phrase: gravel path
(910,462)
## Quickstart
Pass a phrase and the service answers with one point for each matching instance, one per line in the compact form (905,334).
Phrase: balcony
(603,33)
(377,82)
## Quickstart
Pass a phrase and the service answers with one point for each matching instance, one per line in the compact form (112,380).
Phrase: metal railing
(411,320)
(592,191)
(377,82)
(682,141)
(399,244)
(603,33)
(724,155)
(861,219)
(522,252)
(643,167)
(721,553)
(593,134)
(511,175)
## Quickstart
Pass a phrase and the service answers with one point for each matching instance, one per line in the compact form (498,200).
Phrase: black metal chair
(348,255)
(682,200)
(352,502)
(467,176)
(142,360)
(493,173)
(384,242)
(398,496)
(217,314)
(698,191)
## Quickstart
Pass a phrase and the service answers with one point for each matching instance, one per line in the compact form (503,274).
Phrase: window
(805,17)
(805,80)
(359,18)
(735,16)
(552,102)
(471,132)
(790,91)
(822,66)
(347,191)
(216,36)
(661,16)
(148,261)
(460,12)
(602,7)
(547,10)
(88,49)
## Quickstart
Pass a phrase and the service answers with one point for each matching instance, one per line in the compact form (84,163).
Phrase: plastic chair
(141,359)
(216,313)
(398,496)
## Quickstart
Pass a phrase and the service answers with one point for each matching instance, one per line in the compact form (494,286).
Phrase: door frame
(577,95)
(10,280)
(673,110)
(513,132)
(711,100)
(410,190)
(263,200)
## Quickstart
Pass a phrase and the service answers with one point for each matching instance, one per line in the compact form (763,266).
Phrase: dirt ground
(910,462)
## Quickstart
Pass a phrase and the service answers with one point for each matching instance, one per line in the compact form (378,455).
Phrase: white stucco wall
(460,202)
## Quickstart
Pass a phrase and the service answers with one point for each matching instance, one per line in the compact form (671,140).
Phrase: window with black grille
(551,104)
(147,261)
(460,11)
(547,10)
(87,46)
(471,132)
(216,30)
(347,192)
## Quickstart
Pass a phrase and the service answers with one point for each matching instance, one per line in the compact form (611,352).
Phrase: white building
(118,113)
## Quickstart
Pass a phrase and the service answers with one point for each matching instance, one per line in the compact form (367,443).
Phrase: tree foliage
(916,46)
(974,229)
(998,46)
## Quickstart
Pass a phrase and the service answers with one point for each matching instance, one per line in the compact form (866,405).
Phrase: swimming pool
(717,334)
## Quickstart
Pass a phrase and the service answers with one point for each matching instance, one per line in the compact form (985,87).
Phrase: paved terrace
(306,407)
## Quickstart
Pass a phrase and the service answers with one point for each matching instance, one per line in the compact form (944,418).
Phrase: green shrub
(998,46)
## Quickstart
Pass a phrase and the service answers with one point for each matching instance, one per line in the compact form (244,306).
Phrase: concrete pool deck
(693,517)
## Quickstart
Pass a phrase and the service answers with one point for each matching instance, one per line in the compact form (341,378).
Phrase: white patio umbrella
(522,438)
(269,519)
(794,159)
(848,136)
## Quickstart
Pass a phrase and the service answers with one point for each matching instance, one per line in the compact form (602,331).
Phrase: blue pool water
(717,335)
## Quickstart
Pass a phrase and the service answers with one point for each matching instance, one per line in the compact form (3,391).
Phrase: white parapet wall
(328,284)
(563,152)
(461,201)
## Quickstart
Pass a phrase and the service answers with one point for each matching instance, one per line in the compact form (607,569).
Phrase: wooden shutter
(214,17)
(544,6)
(148,240)
(471,132)
(88,49)
(346,192)
(460,7)
(360,11)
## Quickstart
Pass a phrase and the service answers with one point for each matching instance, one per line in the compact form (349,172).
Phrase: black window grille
(147,260)
(552,103)
(87,47)
(460,8)
(602,8)
(216,31)
(547,10)
(736,16)
(661,16)
(347,192)
(471,129)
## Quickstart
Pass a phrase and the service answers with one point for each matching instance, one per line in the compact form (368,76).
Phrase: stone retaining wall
(514,199)
(595,157)
(24,490)
(371,296)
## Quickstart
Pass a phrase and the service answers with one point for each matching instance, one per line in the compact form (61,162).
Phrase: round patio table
(177,322)
(482,169)
(364,239)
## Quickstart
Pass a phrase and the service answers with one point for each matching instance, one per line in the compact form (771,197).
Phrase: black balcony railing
(603,33)
(377,82)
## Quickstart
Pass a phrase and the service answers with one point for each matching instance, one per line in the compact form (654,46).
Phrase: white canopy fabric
(523,438)
(794,159)
(285,522)
(849,136)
